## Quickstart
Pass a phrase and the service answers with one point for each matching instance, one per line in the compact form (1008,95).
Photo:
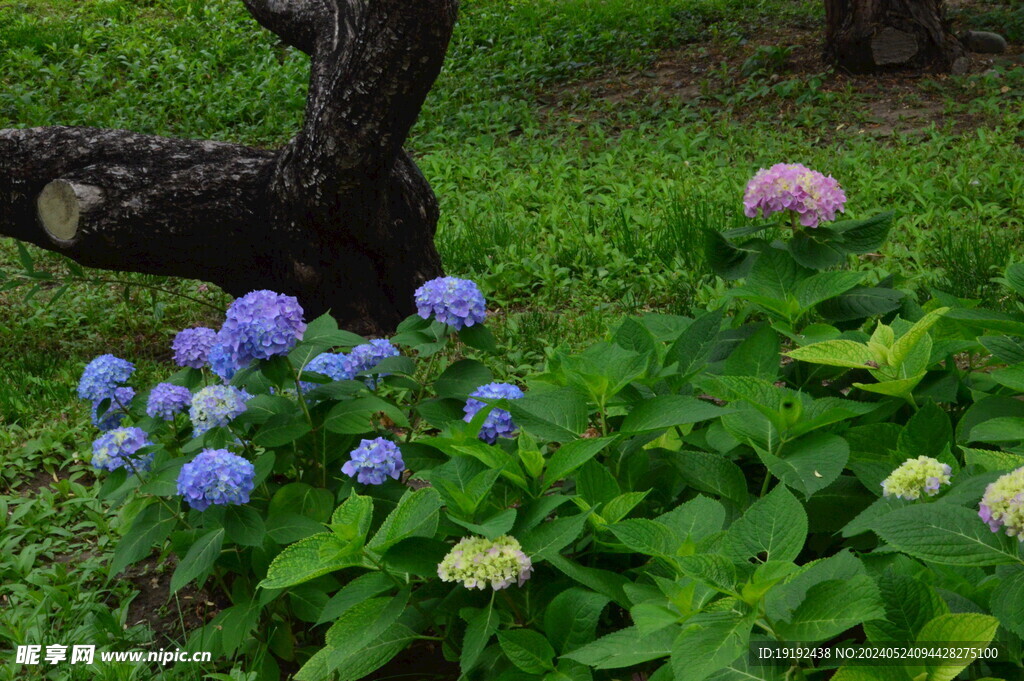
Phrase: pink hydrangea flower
(792,186)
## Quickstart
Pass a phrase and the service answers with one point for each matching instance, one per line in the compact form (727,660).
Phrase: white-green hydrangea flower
(476,561)
(914,476)
(1002,506)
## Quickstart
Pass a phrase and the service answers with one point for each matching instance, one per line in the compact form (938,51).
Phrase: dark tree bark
(867,36)
(341,217)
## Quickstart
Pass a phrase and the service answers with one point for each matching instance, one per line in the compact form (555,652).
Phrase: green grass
(568,216)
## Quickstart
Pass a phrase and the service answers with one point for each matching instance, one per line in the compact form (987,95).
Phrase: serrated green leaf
(810,463)
(479,630)
(625,648)
(551,537)
(945,534)
(570,619)
(832,607)
(710,641)
(527,650)
(838,353)
(775,526)
(308,559)
(415,516)
(571,456)
(960,627)
(667,411)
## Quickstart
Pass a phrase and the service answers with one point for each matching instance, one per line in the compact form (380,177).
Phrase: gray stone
(984,42)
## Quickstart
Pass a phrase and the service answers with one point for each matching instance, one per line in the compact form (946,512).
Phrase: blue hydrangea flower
(214,406)
(216,476)
(115,412)
(224,362)
(453,301)
(499,422)
(113,449)
(166,400)
(368,355)
(260,325)
(330,364)
(192,347)
(373,461)
(102,375)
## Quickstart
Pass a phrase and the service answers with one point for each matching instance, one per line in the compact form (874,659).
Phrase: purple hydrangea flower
(116,447)
(260,325)
(453,301)
(166,400)
(1002,505)
(102,375)
(791,186)
(330,364)
(216,476)
(192,347)
(368,355)
(214,406)
(499,422)
(373,461)
(223,362)
(115,412)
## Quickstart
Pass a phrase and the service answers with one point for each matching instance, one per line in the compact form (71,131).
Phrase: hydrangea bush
(822,465)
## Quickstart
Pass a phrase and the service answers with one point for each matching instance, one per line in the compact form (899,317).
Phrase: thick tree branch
(294,21)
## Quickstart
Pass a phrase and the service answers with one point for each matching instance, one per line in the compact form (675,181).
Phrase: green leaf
(713,474)
(695,519)
(811,250)
(152,526)
(244,526)
(903,346)
(1011,377)
(492,528)
(479,629)
(945,534)
(909,605)
(1007,602)
(725,259)
(308,559)
(282,429)
(989,320)
(551,537)
(859,303)
(864,236)
(902,387)
(959,627)
(285,528)
(480,337)
(462,378)
(776,275)
(758,355)
(352,417)
(304,499)
(199,560)
(713,569)
(559,415)
(415,516)
(626,648)
(710,641)
(667,411)
(992,460)
(775,525)
(351,520)
(1015,277)
(571,456)
(571,618)
(358,590)
(647,537)
(837,353)
(1005,348)
(999,429)
(634,336)
(927,433)
(693,347)
(831,607)
(361,624)
(825,285)
(527,650)
(810,463)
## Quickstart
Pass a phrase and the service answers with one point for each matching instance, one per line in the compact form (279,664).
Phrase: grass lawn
(577,147)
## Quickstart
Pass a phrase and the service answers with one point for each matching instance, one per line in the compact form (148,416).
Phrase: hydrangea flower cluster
(192,347)
(499,422)
(115,413)
(216,405)
(476,561)
(792,186)
(914,476)
(260,325)
(102,375)
(223,362)
(453,301)
(373,461)
(113,449)
(166,400)
(216,476)
(366,356)
(1002,505)
(330,364)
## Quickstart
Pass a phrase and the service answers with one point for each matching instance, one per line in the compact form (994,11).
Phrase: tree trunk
(341,217)
(867,36)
